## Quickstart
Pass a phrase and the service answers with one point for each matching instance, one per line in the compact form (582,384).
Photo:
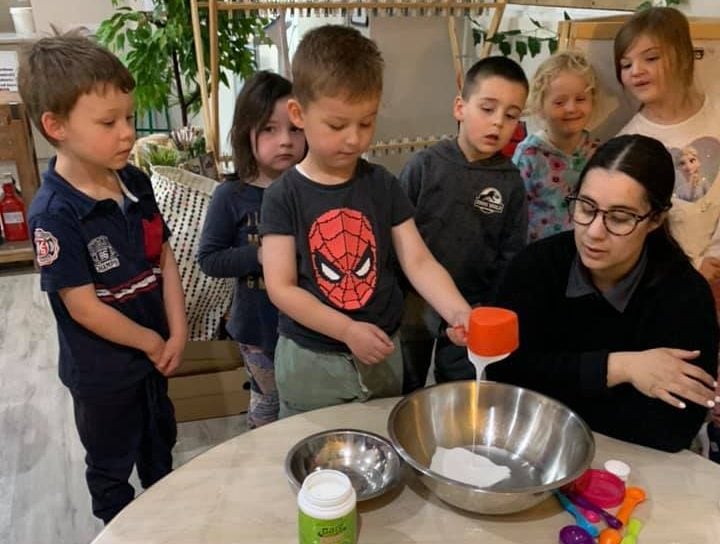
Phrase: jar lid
(327,487)
(618,468)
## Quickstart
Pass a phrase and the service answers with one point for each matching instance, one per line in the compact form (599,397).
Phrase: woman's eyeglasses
(617,222)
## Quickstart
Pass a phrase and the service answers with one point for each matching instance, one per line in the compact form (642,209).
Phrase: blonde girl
(562,95)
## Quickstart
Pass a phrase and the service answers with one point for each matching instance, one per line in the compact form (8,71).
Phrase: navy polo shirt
(80,241)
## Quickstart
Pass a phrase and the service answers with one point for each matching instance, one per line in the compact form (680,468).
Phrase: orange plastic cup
(493,331)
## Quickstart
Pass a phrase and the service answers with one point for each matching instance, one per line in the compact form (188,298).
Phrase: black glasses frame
(572,200)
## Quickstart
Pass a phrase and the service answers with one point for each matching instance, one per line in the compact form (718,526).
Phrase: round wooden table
(237,492)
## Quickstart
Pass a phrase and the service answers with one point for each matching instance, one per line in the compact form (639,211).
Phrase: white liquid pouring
(461,464)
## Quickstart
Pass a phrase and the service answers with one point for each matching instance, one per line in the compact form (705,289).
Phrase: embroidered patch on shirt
(489,201)
(47,247)
(103,254)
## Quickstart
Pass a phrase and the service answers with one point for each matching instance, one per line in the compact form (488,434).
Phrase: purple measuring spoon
(581,501)
(574,534)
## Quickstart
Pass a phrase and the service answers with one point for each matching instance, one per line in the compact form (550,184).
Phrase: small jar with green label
(327,509)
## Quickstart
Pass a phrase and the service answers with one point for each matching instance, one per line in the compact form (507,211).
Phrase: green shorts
(307,380)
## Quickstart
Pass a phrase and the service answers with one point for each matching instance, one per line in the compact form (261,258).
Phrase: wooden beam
(412,6)
(607,27)
(620,5)
(202,80)
(214,76)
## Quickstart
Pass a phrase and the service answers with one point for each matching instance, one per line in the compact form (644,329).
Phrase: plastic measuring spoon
(609,536)
(579,518)
(632,532)
(633,497)
(592,517)
(583,502)
(574,534)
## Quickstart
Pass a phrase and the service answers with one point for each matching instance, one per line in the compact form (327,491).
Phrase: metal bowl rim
(395,459)
(519,491)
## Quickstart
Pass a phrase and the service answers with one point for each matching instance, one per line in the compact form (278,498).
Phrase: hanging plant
(522,42)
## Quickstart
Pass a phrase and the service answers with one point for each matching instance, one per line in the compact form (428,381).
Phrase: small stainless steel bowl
(545,444)
(368,459)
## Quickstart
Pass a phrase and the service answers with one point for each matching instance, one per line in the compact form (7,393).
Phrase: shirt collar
(128,194)
(547,145)
(82,203)
(580,284)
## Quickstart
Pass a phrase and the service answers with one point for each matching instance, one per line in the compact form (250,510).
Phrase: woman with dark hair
(614,320)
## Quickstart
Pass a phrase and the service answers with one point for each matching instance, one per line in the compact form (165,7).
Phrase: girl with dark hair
(614,320)
(265,143)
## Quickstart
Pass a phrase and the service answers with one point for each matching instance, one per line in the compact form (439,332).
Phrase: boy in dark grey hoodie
(471,209)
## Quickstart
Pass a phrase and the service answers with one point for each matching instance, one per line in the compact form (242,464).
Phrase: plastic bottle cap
(618,468)
(493,331)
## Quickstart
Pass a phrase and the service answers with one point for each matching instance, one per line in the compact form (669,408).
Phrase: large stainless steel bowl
(544,443)
(368,459)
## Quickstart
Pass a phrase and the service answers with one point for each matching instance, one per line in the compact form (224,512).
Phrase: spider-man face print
(343,252)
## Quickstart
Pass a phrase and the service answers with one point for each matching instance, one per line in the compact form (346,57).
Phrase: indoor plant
(157,47)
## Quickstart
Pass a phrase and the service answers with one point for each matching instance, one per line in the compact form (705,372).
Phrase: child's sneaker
(713,434)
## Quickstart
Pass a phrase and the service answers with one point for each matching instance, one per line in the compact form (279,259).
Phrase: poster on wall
(8,70)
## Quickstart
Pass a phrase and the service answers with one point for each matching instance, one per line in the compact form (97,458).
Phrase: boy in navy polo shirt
(106,265)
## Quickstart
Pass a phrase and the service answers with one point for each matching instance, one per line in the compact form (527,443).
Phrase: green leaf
(552,45)
(566,16)
(505,48)
(536,23)
(521,48)
(645,5)
(478,36)
(498,38)
(534,45)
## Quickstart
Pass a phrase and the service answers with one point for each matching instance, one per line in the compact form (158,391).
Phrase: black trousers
(133,426)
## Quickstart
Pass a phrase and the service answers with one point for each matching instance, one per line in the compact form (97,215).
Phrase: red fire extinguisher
(12,213)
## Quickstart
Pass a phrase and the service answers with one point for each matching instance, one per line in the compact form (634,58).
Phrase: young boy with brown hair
(332,227)
(471,209)
(105,262)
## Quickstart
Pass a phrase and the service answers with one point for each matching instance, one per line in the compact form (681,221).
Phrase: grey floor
(43,497)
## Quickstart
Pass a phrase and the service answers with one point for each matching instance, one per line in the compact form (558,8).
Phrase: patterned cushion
(183,198)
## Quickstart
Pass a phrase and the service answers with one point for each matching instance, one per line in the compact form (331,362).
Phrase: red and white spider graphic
(344,256)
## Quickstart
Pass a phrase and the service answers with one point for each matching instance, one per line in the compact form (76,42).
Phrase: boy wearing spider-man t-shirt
(332,229)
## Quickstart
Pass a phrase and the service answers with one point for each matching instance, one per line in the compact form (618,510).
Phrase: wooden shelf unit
(16,144)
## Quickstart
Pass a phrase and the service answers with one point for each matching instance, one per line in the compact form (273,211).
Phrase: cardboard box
(211,382)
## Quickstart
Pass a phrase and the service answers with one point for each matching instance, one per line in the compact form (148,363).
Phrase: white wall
(67,14)
(701,8)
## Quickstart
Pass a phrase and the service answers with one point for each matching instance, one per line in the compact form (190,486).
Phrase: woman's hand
(665,374)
